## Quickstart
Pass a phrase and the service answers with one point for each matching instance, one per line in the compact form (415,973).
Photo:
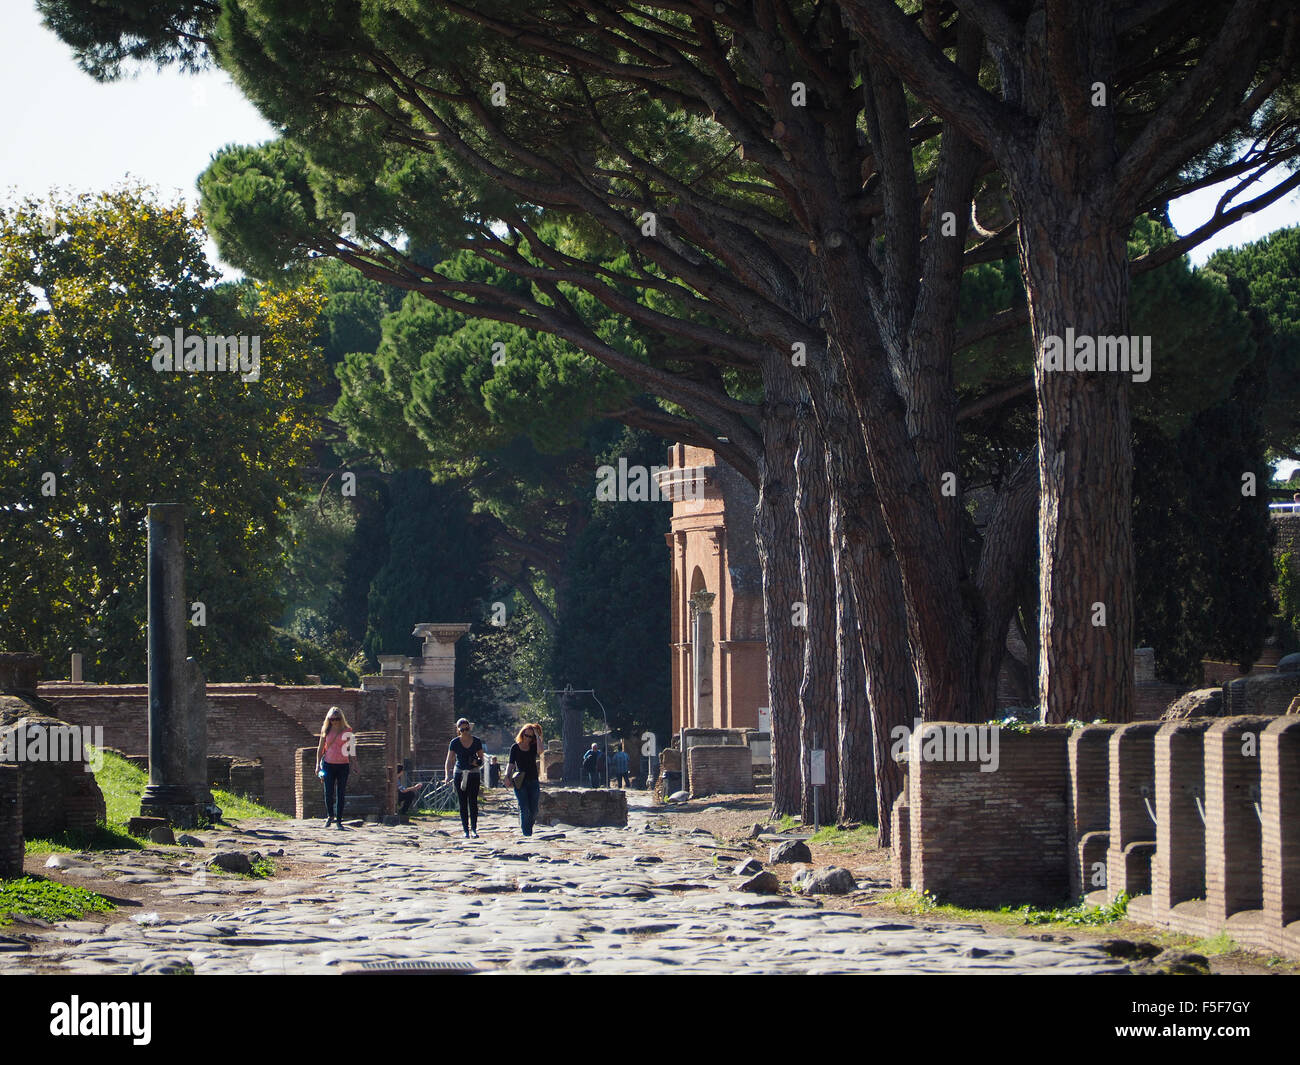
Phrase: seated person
(406,790)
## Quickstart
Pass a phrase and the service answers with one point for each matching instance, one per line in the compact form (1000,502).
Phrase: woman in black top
(524,758)
(467,752)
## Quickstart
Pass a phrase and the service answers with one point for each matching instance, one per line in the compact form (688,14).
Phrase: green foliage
(1265,275)
(614,632)
(263,869)
(48,900)
(1081,914)
(81,401)
(1202,539)
(103,837)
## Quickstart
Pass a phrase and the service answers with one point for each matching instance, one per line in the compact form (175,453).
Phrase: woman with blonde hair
(523,772)
(335,758)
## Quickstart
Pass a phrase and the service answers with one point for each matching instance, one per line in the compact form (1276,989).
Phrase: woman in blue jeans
(525,756)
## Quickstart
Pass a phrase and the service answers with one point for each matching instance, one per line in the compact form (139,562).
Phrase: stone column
(177,722)
(702,639)
(433,692)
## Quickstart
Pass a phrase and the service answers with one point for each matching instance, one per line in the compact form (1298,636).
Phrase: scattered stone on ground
(418,893)
(794,850)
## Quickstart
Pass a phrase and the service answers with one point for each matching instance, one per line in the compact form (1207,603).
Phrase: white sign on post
(817,765)
(764,719)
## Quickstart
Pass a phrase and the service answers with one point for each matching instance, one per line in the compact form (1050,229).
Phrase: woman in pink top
(336,756)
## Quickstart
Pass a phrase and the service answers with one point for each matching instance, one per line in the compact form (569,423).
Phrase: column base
(177,804)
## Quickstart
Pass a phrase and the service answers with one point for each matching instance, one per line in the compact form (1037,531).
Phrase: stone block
(583,807)
(988,838)
(720,770)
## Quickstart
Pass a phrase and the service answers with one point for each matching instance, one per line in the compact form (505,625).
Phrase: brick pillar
(433,693)
(11,821)
(900,855)
(1088,802)
(1280,800)
(1178,870)
(1233,838)
(309,791)
(1132,788)
(393,668)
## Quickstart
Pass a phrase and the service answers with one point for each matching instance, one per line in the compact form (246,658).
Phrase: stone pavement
(645,899)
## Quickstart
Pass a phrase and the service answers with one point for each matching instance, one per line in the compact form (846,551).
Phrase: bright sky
(65,130)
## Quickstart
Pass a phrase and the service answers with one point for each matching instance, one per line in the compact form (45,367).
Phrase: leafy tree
(94,433)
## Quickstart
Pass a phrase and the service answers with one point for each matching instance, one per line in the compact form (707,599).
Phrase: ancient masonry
(256,732)
(40,797)
(1196,819)
(719,677)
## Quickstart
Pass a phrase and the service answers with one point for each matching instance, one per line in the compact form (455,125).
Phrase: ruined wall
(1199,824)
(720,770)
(991,838)
(11,821)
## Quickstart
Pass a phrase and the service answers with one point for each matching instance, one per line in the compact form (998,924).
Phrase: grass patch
(787,824)
(1220,944)
(915,903)
(48,900)
(263,869)
(861,838)
(123,786)
(241,807)
(1078,915)
(104,837)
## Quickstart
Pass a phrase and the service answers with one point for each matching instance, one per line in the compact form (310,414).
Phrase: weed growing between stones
(47,900)
(263,869)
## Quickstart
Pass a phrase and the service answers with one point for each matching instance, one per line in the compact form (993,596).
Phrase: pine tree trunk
(776,528)
(1078,276)
(856,755)
(870,567)
(818,696)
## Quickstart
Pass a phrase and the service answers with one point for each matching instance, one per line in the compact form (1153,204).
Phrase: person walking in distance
(466,751)
(591,765)
(336,757)
(619,765)
(524,773)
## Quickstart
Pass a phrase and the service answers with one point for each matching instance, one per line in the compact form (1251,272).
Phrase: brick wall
(1088,802)
(309,794)
(368,790)
(11,821)
(433,723)
(900,855)
(1233,838)
(990,838)
(1178,868)
(249,780)
(1132,806)
(1279,759)
(720,770)
(1150,701)
(1269,693)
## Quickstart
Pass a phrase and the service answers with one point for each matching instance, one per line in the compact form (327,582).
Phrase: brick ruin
(48,794)
(1198,820)
(256,732)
